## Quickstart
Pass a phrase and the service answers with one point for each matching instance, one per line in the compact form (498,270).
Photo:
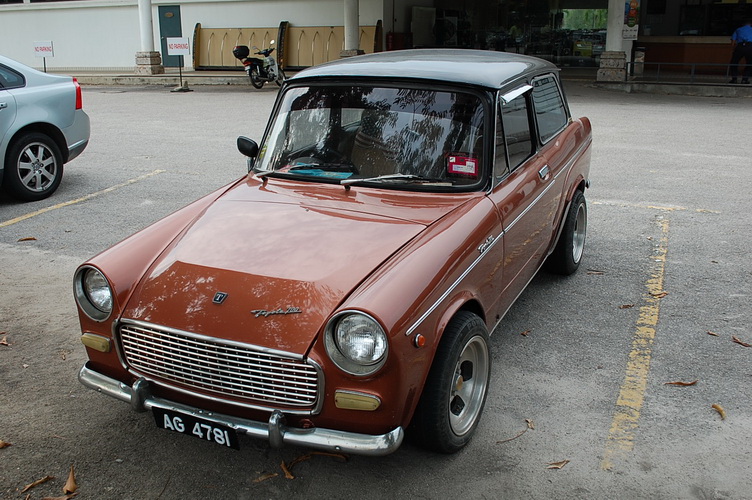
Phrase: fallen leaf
(4,340)
(720,411)
(263,478)
(287,472)
(4,444)
(712,333)
(557,465)
(70,484)
(683,384)
(740,342)
(339,456)
(525,333)
(25,365)
(530,425)
(658,295)
(37,483)
(28,238)
(593,271)
(626,306)
(64,497)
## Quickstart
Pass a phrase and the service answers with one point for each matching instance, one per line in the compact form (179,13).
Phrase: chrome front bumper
(275,431)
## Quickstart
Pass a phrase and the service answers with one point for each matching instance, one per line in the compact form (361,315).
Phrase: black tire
(281,78)
(33,167)
(567,255)
(456,388)
(256,80)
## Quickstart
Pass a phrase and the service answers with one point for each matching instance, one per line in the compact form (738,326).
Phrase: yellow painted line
(664,208)
(79,200)
(626,418)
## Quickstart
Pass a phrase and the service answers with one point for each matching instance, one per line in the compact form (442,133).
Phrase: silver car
(42,127)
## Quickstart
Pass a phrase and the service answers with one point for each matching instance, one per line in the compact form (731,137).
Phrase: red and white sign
(178,47)
(44,49)
(462,165)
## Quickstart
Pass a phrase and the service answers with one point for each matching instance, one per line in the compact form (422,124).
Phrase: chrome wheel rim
(578,236)
(37,167)
(469,386)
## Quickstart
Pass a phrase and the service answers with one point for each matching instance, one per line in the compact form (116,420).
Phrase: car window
(515,121)
(403,136)
(550,112)
(10,79)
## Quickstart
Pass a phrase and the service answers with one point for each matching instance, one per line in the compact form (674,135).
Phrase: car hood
(269,270)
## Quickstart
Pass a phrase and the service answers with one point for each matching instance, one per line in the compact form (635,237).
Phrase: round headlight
(93,293)
(356,343)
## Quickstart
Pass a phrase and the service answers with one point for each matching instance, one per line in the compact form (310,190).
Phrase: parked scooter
(260,71)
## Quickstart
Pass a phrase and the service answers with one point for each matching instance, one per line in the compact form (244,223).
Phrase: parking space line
(626,418)
(79,200)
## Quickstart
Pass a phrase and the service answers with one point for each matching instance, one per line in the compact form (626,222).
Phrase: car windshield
(422,139)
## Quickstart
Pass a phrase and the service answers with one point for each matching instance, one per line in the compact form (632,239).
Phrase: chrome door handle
(543,172)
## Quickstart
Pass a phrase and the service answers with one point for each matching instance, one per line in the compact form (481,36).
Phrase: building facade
(105,34)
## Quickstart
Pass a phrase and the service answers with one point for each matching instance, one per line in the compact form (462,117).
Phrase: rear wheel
(567,255)
(455,392)
(256,80)
(34,167)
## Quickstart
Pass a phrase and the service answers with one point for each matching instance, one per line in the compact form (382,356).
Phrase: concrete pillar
(613,60)
(148,61)
(352,29)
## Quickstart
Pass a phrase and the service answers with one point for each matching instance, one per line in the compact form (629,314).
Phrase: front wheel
(256,79)
(34,168)
(280,77)
(567,255)
(455,391)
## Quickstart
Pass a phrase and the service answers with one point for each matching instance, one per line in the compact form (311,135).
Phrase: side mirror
(248,148)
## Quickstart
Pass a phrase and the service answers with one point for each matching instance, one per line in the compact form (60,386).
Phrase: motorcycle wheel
(281,78)
(256,80)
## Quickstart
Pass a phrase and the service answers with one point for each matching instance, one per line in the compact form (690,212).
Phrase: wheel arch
(47,129)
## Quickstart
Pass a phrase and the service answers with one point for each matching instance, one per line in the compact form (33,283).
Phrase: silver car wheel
(580,230)
(469,387)
(37,167)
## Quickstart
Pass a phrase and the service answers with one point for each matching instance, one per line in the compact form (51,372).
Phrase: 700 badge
(196,427)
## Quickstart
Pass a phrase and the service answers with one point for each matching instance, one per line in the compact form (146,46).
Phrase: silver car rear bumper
(274,431)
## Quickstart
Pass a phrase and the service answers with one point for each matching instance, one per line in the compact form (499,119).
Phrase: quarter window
(550,113)
(9,79)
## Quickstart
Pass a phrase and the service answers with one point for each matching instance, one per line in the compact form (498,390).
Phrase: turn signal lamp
(349,400)
(96,342)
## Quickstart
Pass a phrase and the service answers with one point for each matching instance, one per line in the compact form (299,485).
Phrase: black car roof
(475,67)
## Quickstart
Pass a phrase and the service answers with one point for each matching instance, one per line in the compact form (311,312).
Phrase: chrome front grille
(241,371)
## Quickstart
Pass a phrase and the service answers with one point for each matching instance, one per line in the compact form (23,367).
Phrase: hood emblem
(219,297)
(258,313)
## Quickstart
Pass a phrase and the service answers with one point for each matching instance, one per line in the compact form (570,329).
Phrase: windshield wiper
(391,177)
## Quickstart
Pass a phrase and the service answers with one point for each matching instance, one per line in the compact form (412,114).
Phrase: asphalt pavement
(630,379)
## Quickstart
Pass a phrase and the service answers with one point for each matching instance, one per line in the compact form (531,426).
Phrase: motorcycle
(260,71)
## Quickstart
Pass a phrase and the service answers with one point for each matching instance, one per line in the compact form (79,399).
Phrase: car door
(524,193)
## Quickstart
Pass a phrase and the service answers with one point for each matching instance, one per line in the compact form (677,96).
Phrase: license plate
(196,427)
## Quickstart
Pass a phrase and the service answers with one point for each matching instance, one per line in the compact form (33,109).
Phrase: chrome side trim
(456,283)
(536,200)
(274,430)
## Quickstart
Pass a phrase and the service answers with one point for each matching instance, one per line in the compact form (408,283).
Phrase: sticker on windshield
(462,165)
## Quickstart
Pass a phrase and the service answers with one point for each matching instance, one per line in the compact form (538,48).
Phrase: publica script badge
(258,313)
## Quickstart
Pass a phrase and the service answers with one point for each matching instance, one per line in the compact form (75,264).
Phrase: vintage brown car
(342,293)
